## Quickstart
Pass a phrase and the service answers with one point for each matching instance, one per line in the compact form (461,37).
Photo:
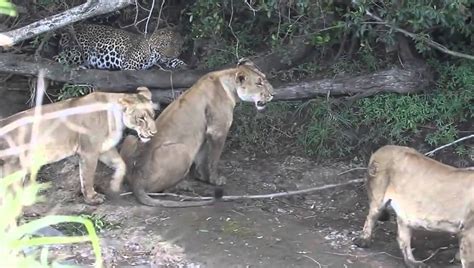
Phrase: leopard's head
(167,42)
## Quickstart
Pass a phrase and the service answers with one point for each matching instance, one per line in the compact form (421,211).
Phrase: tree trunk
(89,9)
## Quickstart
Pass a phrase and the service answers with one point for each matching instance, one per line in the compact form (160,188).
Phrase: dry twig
(431,153)
(261,196)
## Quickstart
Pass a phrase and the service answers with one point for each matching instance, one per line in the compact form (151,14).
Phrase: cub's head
(167,42)
(252,85)
(138,113)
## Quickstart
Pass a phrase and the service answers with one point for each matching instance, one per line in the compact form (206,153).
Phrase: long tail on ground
(145,199)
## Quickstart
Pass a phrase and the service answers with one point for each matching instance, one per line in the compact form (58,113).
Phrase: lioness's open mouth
(260,105)
(143,138)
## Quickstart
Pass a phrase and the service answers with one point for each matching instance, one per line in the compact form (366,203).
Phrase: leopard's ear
(145,92)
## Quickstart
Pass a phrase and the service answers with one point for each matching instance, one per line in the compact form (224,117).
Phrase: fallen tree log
(128,80)
(394,80)
(102,79)
(168,85)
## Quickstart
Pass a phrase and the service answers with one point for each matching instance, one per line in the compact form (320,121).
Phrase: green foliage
(325,127)
(100,224)
(7,8)
(264,131)
(397,118)
(15,238)
(438,20)
(240,29)
(71,91)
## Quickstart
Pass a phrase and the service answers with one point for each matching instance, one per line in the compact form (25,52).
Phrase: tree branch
(430,42)
(89,9)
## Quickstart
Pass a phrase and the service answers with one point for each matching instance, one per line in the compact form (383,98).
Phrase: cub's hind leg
(466,242)
(377,182)
(404,241)
(89,156)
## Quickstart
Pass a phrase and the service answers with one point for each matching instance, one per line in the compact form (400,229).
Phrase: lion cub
(193,130)
(424,194)
(91,135)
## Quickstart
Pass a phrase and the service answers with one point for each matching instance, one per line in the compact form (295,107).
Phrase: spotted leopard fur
(103,47)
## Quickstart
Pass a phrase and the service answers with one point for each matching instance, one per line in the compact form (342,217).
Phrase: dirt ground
(314,230)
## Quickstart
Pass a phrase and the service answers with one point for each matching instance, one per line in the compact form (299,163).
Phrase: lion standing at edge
(425,194)
(193,130)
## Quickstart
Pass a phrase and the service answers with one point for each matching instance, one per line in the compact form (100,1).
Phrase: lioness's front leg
(205,163)
(87,167)
(215,148)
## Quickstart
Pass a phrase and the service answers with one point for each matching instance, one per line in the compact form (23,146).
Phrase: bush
(326,127)
(393,118)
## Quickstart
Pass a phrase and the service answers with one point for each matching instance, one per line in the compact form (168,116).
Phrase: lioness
(424,194)
(193,129)
(92,136)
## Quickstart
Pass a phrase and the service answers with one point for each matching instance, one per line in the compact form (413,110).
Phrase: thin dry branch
(431,153)
(261,196)
(90,9)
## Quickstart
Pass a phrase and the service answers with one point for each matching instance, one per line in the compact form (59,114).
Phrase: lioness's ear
(244,61)
(125,102)
(145,92)
(240,77)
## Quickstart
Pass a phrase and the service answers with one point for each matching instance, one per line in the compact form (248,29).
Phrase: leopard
(94,46)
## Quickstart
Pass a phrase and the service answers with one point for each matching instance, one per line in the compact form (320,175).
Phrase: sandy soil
(314,230)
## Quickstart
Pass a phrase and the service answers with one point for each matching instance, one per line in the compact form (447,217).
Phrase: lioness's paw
(96,199)
(361,242)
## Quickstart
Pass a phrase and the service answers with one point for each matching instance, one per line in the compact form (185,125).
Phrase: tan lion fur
(425,194)
(92,136)
(191,132)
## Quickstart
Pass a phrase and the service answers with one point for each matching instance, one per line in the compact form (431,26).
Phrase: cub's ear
(240,77)
(145,92)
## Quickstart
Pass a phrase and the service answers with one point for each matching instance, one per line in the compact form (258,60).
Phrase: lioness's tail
(145,199)
(128,149)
